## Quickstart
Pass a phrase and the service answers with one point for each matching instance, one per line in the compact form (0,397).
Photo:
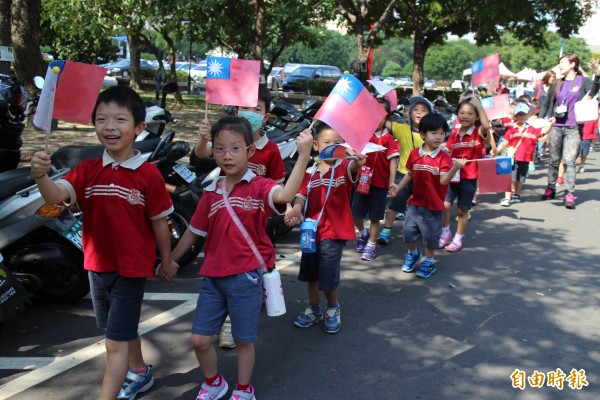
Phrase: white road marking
(68,361)
(24,363)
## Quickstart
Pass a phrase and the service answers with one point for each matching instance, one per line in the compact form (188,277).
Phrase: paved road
(522,296)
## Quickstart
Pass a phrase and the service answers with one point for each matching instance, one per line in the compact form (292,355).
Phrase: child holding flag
(321,269)
(431,170)
(382,166)
(233,214)
(118,245)
(468,141)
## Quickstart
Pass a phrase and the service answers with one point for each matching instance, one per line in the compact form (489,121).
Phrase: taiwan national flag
(230,81)
(485,70)
(352,112)
(495,175)
(496,107)
(69,94)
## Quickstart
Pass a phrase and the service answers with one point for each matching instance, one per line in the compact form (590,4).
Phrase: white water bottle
(273,293)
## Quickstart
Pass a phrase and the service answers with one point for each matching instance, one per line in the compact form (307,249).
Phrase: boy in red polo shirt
(235,260)
(321,269)
(126,206)
(382,165)
(430,169)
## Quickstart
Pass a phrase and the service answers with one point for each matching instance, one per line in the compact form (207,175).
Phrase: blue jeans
(564,145)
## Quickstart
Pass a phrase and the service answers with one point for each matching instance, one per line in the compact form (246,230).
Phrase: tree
(429,23)
(447,61)
(391,69)
(329,48)
(366,19)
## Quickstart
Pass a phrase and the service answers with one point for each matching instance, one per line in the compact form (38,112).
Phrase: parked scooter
(13,98)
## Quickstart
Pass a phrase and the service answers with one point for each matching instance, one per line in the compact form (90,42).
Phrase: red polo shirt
(226,251)
(471,145)
(119,203)
(426,170)
(379,161)
(526,146)
(336,222)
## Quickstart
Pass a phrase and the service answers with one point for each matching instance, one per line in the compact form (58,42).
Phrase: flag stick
(312,124)
(47,141)
(205,109)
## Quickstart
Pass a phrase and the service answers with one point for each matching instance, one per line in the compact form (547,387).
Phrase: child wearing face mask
(266,160)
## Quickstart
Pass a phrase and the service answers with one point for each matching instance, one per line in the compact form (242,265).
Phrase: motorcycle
(13,98)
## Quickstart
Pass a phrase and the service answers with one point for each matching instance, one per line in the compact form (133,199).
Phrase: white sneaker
(225,337)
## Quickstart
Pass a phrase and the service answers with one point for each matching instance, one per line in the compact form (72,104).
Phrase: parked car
(459,85)
(123,67)
(377,78)
(430,84)
(299,79)
(270,78)
(280,76)
(404,82)
(198,73)
(185,66)
(390,80)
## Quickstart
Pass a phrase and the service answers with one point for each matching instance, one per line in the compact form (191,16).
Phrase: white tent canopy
(527,74)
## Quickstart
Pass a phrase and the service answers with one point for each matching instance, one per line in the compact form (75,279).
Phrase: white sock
(458,238)
(445,230)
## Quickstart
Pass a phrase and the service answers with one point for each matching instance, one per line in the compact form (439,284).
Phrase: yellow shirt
(408,140)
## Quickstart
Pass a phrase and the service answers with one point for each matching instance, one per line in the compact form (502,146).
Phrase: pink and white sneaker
(445,239)
(455,246)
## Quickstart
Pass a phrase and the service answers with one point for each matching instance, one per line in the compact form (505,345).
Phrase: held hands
(393,189)
(293,216)
(204,130)
(166,272)
(40,163)
(304,143)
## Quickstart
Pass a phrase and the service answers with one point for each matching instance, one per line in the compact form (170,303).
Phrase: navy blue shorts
(372,204)
(117,303)
(240,296)
(519,171)
(398,202)
(464,190)
(420,221)
(323,265)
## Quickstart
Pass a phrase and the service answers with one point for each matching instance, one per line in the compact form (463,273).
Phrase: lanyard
(328,190)
(569,91)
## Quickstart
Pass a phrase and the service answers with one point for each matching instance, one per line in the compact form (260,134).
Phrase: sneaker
(225,337)
(411,260)
(333,320)
(247,394)
(455,246)
(570,201)
(384,236)
(581,169)
(515,198)
(426,269)
(308,318)
(505,202)
(531,166)
(369,253)
(213,392)
(560,181)
(549,193)
(474,201)
(445,239)
(361,242)
(400,216)
(136,383)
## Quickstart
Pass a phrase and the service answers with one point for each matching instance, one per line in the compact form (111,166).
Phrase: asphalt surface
(523,295)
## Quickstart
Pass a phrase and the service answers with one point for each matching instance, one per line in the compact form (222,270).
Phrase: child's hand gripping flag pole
(69,94)
(352,112)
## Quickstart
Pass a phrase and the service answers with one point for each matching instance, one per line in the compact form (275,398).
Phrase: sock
(413,252)
(364,232)
(430,260)
(458,238)
(142,371)
(244,388)
(445,230)
(214,381)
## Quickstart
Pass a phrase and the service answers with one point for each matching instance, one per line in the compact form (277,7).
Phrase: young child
(408,137)
(430,170)
(589,134)
(232,269)
(522,140)
(467,140)
(382,166)
(321,270)
(126,206)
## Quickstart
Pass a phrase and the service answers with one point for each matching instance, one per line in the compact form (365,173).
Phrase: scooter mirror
(38,81)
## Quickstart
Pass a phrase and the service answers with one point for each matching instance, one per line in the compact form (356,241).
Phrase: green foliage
(329,48)
(391,69)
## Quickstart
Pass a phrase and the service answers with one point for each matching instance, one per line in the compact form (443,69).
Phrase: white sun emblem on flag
(343,85)
(215,67)
(504,164)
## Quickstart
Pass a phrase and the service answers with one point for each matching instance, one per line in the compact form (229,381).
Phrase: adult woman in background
(564,138)
(544,85)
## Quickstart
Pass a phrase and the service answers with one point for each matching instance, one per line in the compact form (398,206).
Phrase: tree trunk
(5,39)
(259,35)
(363,56)
(420,49)
(134,51)
(171,72)
(25,32)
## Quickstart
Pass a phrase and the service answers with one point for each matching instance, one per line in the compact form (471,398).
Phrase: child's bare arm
(293,216)
(167,269)
(485,127)
(51,192)
(393,168)
(202,149)
(184,244)
(394,189)
(447,177)
(287,194)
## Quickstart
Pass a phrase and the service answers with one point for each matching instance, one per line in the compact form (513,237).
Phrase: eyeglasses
(234,151)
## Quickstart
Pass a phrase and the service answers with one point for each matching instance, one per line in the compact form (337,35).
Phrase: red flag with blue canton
(495,175)
(230,81)
(352,112)
(485,70)
(496,107)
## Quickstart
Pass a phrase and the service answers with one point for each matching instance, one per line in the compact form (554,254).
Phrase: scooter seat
(70,156)
(15,180)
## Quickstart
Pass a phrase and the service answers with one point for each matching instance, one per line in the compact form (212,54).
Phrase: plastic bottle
(274,293)
(308,236)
